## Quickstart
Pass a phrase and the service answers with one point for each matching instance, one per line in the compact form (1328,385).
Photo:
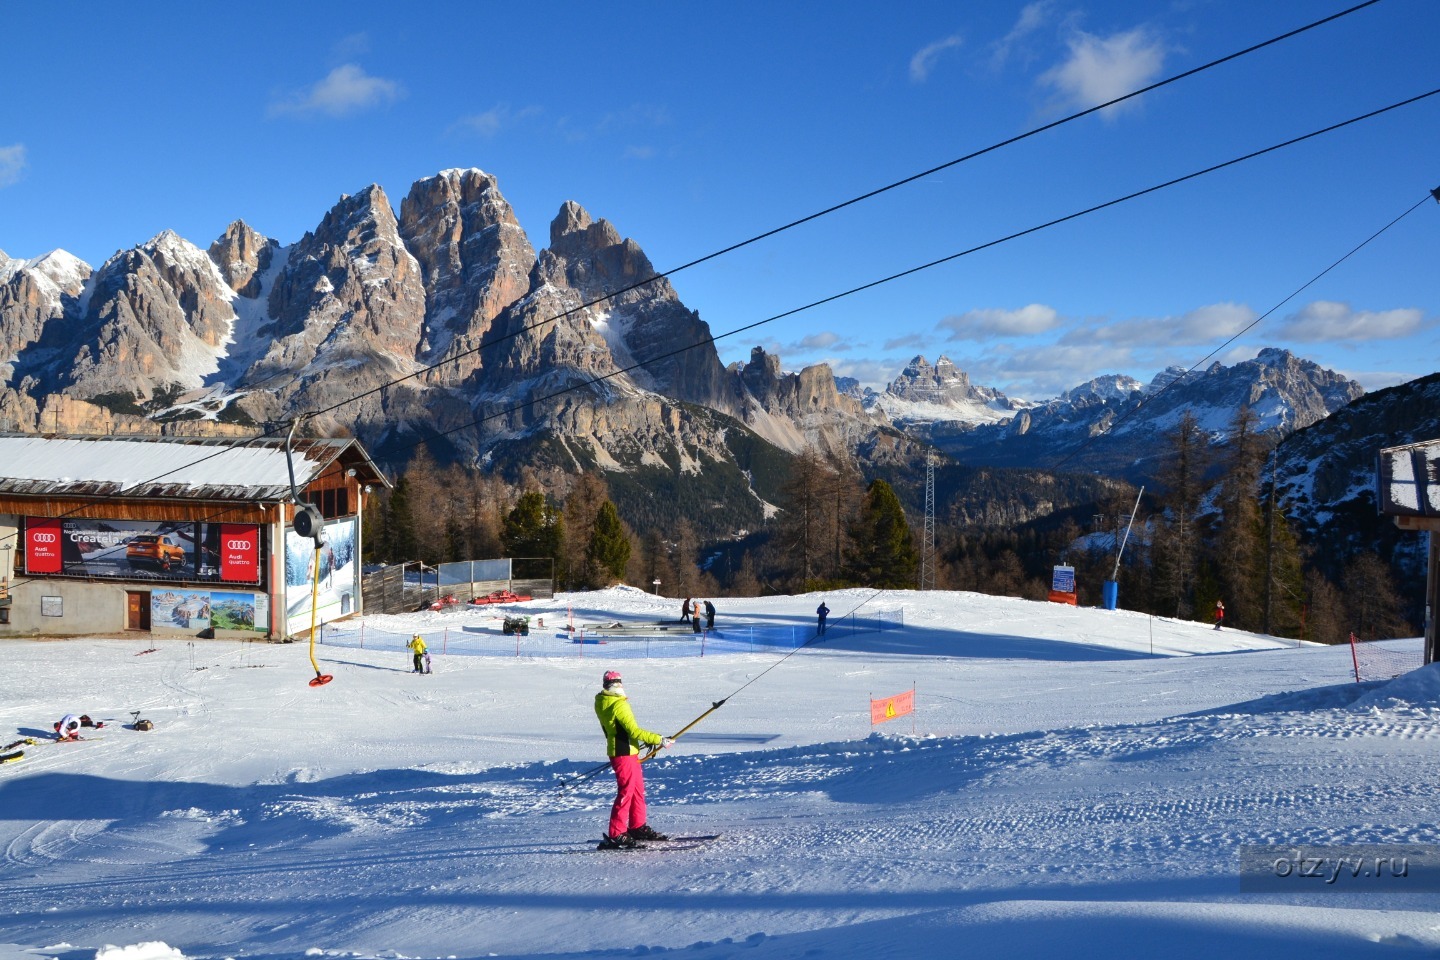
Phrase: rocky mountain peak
(243,255)
(576,237)
(474,258)
(942,383)
(1114,386)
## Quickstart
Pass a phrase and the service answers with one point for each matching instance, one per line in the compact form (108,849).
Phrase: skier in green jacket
(623,737)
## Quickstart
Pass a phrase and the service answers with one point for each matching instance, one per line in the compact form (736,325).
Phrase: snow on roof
(1410,479)
(168,467)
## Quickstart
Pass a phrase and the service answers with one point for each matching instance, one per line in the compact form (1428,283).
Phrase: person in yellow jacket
(417,647)
(623,738)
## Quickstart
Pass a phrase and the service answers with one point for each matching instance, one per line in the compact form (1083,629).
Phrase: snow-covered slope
(1060,791)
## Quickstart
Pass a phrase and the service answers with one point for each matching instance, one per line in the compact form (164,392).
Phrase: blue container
(1110,594)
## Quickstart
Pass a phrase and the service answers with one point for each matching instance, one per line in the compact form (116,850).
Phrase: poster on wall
(191,611)
(143,550)
(338,586)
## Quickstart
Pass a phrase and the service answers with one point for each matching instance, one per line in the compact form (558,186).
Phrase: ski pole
(582,777)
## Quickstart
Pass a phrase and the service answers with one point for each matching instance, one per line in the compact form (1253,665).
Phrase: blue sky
(693,126)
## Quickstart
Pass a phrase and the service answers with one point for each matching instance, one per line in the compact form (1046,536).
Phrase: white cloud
(345,90)
(1326,321)
(875,374)
(1099,69)
(12,164)
(1203,325)
(923,62)
(349,47)
(1032,17)
(493,121)
(1041,372)
(909,340)
(825,340)
(985,324)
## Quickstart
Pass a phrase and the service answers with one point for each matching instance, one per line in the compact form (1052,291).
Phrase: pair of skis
(673,844)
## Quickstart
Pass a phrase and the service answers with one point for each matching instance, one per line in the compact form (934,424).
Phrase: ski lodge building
(176,536)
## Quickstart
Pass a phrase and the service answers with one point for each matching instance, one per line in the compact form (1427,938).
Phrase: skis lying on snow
(674,844)
(10,754)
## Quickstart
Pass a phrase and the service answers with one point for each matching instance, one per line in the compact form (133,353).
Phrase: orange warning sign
(891,707)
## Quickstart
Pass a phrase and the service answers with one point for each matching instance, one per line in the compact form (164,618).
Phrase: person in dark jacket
(709,615)
(821,612)
(685,611)
(623,738)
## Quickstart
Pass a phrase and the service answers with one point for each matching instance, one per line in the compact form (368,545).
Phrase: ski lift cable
(591,381)
(777,230)
(855,200)
(1144,401)
(640,364)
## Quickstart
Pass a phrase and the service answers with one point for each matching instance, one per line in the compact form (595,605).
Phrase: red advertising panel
(240,552)
(42,546)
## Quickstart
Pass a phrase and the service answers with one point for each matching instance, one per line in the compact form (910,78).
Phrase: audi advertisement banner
(143,550)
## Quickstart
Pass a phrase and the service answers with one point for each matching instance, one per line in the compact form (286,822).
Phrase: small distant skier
(821,612)
(695,616)
(417,647)
(685,611)
(709,615)
(623,737)
(1219,613)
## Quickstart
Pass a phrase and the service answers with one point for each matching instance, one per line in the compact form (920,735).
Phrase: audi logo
(42,537)
(239,545)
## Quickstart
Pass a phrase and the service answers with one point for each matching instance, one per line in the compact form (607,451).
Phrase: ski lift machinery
(307,523)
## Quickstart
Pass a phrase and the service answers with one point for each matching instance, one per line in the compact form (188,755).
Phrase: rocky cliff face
(1325,474)
(34,292)
(474,258)
(796,410)
(243,256)
(156,319)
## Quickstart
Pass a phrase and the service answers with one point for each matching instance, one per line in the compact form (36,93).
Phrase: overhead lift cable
(486,344)
(1144,401)
(275,431)
(580,384)
(640,364)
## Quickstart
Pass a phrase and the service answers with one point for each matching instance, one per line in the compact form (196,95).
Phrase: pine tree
(582,505)
(1371,600)
(800,529)
(428,515)
(1177,537)
(533,529)
(399,527)
(655,564)
(1325,618)
(1241,553)
(609,547)
(1285,587)
(883,551)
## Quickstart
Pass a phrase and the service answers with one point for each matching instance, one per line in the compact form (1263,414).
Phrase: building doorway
(137,614)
